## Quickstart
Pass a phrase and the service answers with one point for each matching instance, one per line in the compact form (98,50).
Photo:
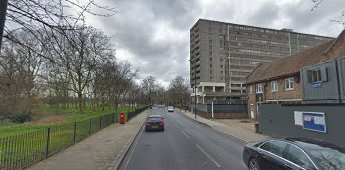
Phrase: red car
(154,122)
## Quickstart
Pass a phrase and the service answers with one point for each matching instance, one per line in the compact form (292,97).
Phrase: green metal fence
(24,149)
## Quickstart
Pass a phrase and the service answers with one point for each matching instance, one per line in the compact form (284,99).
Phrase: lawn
(47,116)
(23,144)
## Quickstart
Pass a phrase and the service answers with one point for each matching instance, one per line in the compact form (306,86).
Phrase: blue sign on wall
(314,121)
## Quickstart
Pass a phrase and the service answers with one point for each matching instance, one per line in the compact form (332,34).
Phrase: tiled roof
(292,64)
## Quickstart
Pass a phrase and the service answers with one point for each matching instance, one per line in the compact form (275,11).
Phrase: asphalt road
(185,144)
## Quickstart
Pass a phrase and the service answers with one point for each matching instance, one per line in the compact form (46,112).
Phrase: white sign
(298,118)
(319,120)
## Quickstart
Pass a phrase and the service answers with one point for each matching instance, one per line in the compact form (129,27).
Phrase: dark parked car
(293,153)
(154,122)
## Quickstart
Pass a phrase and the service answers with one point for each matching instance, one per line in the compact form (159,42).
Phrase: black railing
(132,114)
(24,149)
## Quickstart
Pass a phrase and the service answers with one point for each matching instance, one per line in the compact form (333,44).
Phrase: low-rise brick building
(279,81)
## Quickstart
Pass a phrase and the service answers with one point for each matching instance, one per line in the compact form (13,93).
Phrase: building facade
(222,55)
(309,76)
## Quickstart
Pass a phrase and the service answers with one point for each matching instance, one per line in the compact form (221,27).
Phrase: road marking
(203,151)
(130,156)
(178,127)
(186,134)
(183,132)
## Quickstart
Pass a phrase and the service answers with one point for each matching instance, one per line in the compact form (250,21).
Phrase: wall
(341,76)
(278,121)
(225,111)
(283,94)
(328,89)
(251,101)
(268,96)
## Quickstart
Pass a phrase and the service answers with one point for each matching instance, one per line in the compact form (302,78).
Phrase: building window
(221,66)
(221,60)
(274,86)
(289,84)
(221,72)
(251,89)
(210,71)
(211,65)
(221,78)
(316,76)
(210,59)
(259,88)
(211,78)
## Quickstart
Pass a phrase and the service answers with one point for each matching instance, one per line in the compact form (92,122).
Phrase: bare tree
(20,69)
(178,91)
(149,85)
(79,60)
(340,20)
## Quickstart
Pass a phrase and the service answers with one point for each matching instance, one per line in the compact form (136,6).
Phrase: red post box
(122,118)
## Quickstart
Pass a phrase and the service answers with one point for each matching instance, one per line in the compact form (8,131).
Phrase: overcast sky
(154,34)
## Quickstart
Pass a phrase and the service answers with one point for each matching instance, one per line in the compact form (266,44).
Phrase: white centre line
(203,151)
(186,134)
(178,127)
(183,132)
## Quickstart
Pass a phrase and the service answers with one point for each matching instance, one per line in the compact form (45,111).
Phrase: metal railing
(131,115)
(24,149)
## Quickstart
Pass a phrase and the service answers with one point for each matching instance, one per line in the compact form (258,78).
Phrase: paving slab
(102,150)
(237,131)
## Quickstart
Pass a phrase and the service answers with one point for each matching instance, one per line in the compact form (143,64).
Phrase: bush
(21,118)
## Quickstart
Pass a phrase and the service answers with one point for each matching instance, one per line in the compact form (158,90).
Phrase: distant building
(280,81)
(222,55)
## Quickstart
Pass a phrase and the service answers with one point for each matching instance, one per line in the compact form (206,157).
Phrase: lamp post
(3,9)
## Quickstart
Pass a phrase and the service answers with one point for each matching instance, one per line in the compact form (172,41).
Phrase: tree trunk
(80,101)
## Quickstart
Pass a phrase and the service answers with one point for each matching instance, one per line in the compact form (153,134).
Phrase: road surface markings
(183,132)
(178,127)
(203,151)
(135,145)
(186,134)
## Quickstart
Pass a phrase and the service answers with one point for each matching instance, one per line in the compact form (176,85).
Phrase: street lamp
(192,61)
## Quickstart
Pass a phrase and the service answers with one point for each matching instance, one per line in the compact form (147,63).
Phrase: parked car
(154,122)
(294,154)
(170,109)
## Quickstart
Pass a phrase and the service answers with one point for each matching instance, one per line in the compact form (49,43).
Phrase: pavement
(185,144)
(102,151)
(233,127)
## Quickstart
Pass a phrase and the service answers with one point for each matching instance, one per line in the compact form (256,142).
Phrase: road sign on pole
(3,9)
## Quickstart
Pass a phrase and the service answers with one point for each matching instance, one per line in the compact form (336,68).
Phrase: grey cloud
(264,15)
(137,23)
(177,12)
(317,21)
(298,16)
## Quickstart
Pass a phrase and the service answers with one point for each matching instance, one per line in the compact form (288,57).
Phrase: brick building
(279,81)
